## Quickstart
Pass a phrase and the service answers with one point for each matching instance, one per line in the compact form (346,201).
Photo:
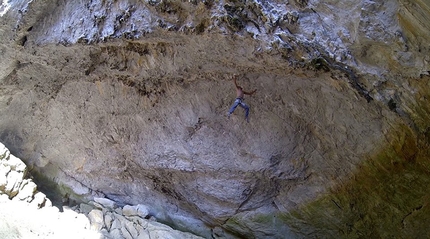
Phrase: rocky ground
(27,213)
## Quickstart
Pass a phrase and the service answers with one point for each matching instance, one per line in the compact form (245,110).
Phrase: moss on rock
(384,199)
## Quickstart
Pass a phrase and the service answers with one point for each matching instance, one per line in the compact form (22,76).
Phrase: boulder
(116,233)
(125,233)
(144,235)
(27,191)
(16,164)
(131,229)
(96,219)
(142,211)
(4,170)
(48,202)
(40,200)
(128,210)
(158,230)
(108,220)
(137,220)
(116,224)
(106,234)
(118,211)
(14,180)
(85,208)
(4,152)
(106,203)
(120,221)
(138,210)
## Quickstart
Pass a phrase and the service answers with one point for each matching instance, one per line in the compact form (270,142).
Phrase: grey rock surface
(128,100)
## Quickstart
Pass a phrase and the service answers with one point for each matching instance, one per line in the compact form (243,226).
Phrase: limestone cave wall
(128,100)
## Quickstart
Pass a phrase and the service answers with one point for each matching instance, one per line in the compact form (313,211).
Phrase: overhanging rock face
(129,100)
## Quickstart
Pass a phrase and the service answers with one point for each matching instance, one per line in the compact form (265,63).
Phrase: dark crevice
(410,213)
(325,63)
(337,205)
(48,187)
(392,105)
(22,41)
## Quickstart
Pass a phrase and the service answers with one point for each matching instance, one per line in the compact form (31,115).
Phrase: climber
(239,100)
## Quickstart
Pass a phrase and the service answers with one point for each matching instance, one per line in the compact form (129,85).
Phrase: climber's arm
(235,81)
(250,93)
